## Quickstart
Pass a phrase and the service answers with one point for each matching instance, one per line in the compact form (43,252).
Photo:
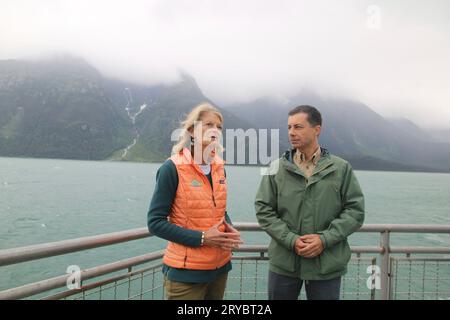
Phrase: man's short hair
(314,116)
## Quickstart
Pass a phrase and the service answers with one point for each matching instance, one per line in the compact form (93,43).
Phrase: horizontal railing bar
(400,228)
(45,250)
(61,281)
(28,253)
(406,228)
(413,249)
(354,249)
(252,248)
(251,258)
(53,283)
(366,249)
(423,279)
(414,259)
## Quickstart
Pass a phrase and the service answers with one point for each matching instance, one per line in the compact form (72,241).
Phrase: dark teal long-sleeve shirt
(160,205)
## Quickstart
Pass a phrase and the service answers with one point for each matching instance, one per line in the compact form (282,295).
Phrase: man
(308,205)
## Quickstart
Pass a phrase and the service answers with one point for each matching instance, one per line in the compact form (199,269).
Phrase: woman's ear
(191,134)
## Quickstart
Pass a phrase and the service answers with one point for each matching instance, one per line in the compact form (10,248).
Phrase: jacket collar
(289,154)
(323,168)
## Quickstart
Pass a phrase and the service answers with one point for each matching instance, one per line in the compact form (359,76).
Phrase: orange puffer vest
(197,206)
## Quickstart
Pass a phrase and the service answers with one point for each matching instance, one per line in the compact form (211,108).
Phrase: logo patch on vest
(222,181)
(195,183)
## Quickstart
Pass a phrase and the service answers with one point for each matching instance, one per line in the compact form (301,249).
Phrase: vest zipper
(210,184)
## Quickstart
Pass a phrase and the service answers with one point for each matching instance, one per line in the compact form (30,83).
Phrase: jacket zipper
(307,180)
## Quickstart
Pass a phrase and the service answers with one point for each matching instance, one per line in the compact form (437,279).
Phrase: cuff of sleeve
(199,239)
(328,239)
(324,240)
(290,239)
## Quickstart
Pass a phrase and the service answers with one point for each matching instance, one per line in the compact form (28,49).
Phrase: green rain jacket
(330,203)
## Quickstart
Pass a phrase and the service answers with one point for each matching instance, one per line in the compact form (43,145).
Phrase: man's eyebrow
(295,124)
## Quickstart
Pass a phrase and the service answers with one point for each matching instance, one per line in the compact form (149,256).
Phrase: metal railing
(385,278)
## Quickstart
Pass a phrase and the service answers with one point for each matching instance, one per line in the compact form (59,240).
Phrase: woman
(188,208)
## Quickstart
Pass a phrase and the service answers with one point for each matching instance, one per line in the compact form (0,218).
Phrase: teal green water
(45,200)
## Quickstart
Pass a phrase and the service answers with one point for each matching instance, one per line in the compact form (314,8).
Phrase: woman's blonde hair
(188,123)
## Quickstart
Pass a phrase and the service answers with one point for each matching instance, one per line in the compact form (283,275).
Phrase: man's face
(301,133)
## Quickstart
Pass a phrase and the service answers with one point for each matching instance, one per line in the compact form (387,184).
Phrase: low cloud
(392,56)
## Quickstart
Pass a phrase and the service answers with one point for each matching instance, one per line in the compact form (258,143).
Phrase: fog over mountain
(390,55)
(65,108)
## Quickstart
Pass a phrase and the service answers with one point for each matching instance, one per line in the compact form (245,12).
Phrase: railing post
(384,269)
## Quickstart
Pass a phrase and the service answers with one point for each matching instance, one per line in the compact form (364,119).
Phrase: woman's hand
(227,240)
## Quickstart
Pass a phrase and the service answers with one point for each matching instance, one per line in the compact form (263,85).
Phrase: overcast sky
(392,55)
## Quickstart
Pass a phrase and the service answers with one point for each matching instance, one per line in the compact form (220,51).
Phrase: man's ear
(318,129)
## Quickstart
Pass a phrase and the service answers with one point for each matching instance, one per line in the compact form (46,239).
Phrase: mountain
(440,135)
(413,130)
(354,131)
(57,109)
(163,109)
(64,108)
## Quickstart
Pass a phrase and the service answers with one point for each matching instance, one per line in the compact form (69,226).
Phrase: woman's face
(208,129)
